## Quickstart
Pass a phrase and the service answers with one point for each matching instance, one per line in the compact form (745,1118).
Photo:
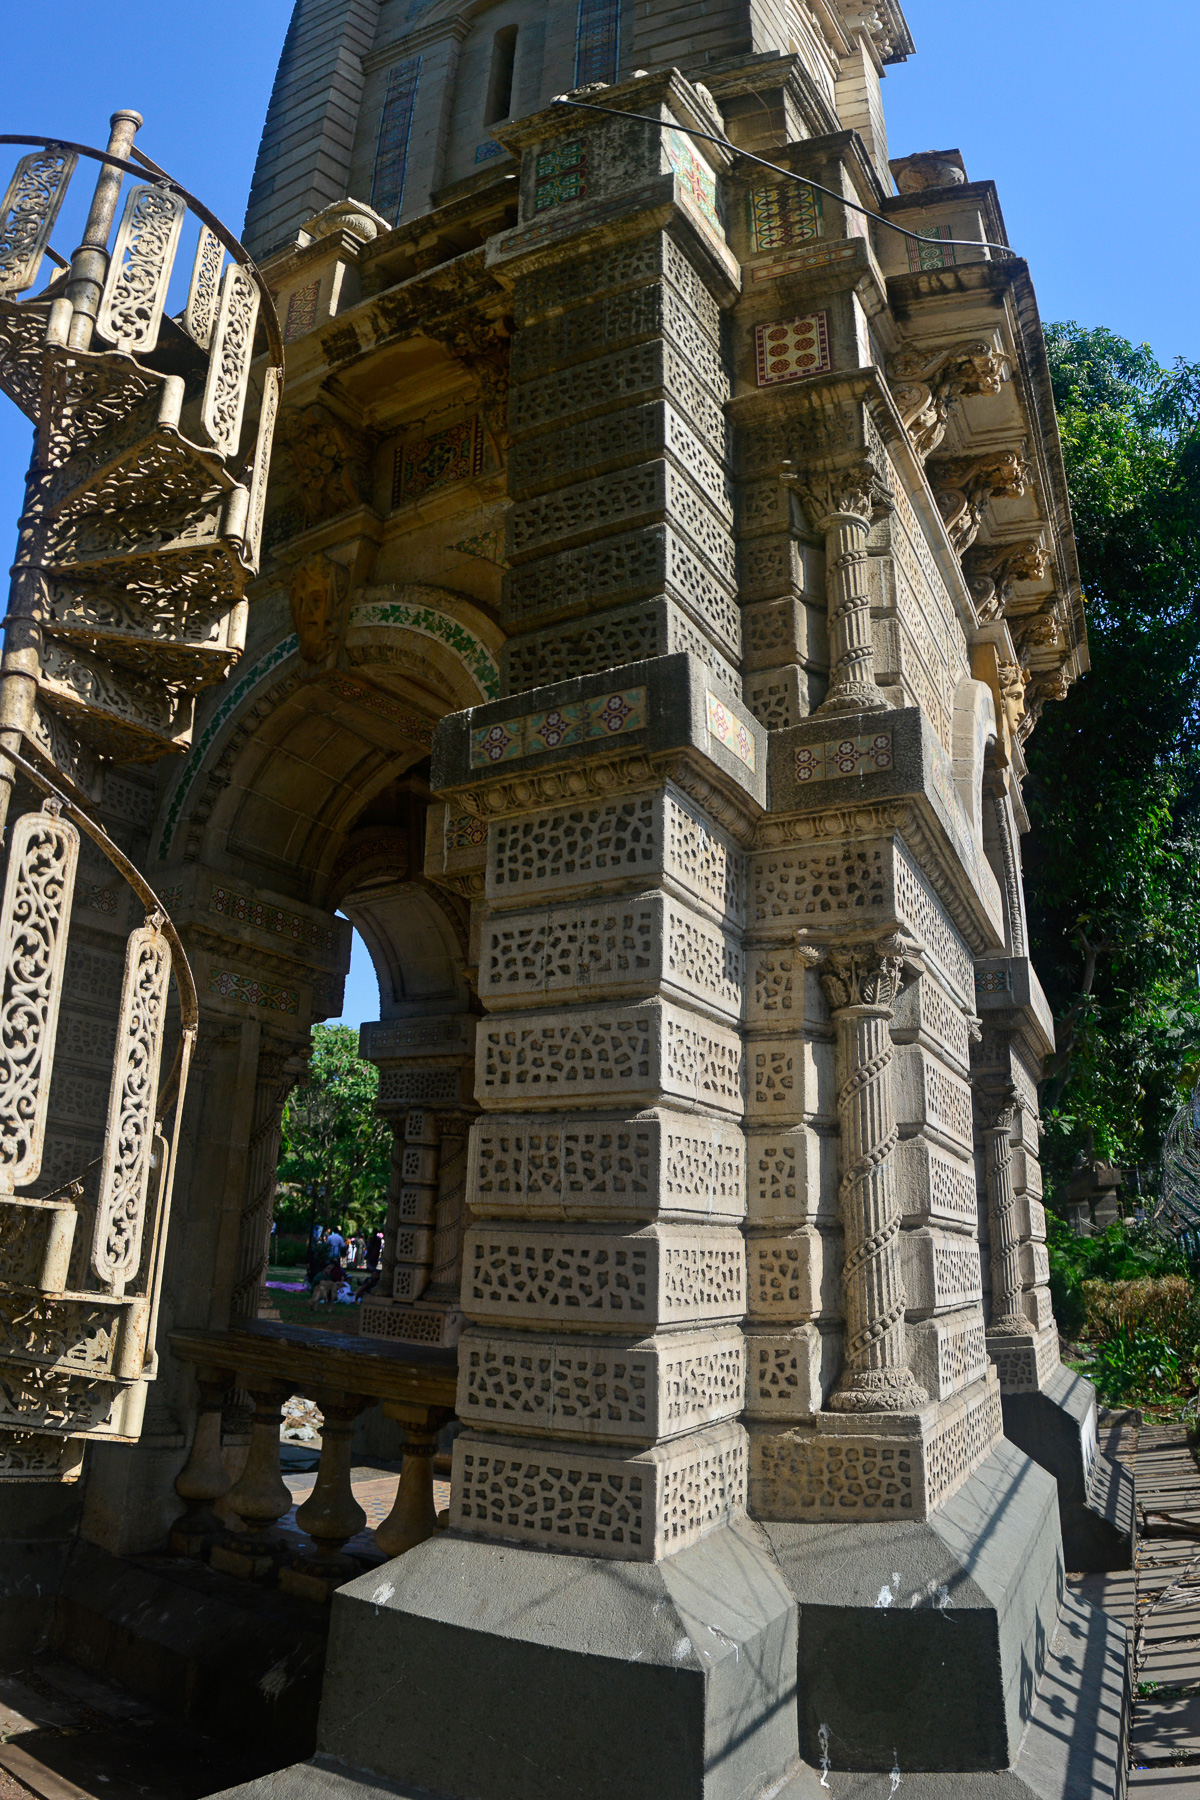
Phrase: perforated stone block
(594,1501)
(642,372)
(1031,1219)
(779,631)
(781,990)
(590,1167)
(941,1270)
(619,1392)
(789,1374)
(419,1163)
(897,1468)
(589,447)
(595,1280)
(417,1205)
(788,1079)
(1035,1303)
(931,1097)
(606,844)
(949,1353)
(623,634)
(626,1054)
(926,1011)
(640,945)
(1025,1364)
(935,1186)
(648,493)
(1027,1173)
(1035,1265)
(439,1327)
(791,1176)
(783,696)
(794,1276)
(409,1280)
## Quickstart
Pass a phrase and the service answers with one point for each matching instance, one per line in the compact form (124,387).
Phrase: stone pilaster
(841,505)
(998,1110)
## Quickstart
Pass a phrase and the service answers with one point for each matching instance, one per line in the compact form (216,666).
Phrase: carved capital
(992,570)
(314,588)
(857,492)
(927,385)
(963,485)
(869,973)
(997,1104)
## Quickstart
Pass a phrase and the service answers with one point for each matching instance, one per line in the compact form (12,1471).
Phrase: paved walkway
(1159,1602)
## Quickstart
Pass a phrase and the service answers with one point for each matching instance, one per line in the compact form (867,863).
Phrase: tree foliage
(335,1151)
(1114,781)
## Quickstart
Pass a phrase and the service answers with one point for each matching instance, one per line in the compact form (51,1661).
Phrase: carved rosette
(927,385)
(997,1112)
(841,504)
(861,982)
(127,1158)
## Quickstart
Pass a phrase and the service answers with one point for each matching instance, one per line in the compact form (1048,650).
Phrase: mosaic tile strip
(560,174)
(695,177)
(485,152)
(782,216)
(579,722)
(248,911)
(444,628)
(95,898)
(844,756)
(729,730)
(414,724)
(465,832)
(488,546)
(437,461)
(301,311)
(597,40)
(992,981)
(804,259)
(931,256)
(790,349)
(244,988)
(391,149)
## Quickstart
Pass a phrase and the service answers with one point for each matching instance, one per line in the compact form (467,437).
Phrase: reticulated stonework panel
(626,1054)
(1024,1365)
(582,1167)
(639,373)
(941,1270)
(850,885)
(918,908)
(617,501)
(630,1393)
(799,1475)
(665,1274)
(948,1354)
(793,1276)
(623,265)
(630,946)
(791,1176)
(934,1188)
(624,634)
(597,1502)
(653,311)
(789,1374)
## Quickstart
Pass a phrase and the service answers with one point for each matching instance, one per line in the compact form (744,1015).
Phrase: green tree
(335,1151)
(1114,781)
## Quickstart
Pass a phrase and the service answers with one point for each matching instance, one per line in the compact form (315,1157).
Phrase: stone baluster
(204,1478)
(259,1496)
(413,1517)
(998,1111)
(841,506)
(331,1515)
(861,982)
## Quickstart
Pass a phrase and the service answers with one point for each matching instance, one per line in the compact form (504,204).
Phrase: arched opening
(500,75)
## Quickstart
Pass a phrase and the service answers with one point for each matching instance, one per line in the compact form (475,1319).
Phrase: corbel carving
(331,462)
(856,491)
(992,571)
(481,345)
(1053,685)
(1039,631)
(315,587)
(927,385)
(963,485)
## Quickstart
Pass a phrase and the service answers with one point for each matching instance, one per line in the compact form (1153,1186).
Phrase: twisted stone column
(841,506)
(998,1109)
(861,982)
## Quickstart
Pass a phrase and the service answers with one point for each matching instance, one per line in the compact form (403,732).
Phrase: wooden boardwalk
(1159,1603)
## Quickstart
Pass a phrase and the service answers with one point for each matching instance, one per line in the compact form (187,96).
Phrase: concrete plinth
(467,1668)
(1096,1495)
(931,1650)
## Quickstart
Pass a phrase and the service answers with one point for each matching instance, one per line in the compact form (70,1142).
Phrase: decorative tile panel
(395,125)
(437,461)
(486,151)
(444,628)
(695,177)
(560,175)
(866,755)
(301,311)
(791,349)
(804,259)
(931,256)
(244,988)
(274,919)
(414,724)
(784,215)
(576,722)
(597,41)
(728,730)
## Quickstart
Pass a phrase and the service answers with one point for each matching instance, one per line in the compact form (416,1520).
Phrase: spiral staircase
(140,531)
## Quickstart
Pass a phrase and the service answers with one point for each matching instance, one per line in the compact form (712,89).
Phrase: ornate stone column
(204,1478)
(841,505)
(452,1214)
(861,981)
(998,1111)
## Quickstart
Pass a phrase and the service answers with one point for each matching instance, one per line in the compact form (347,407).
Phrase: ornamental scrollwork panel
(205,289)
(126,1164)
(229,360)
(28,212)
(139,269)
(43,860)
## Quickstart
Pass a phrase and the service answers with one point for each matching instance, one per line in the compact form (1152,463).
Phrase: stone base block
(596,1501)
(1096,1496)
(872,1466)
(1026,1363)
(475,1669)
(249,1561)
(947,1651)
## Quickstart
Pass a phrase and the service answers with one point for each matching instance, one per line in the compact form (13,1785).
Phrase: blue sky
(1088,128)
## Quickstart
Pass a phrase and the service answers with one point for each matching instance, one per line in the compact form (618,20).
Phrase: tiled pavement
(1159,1602)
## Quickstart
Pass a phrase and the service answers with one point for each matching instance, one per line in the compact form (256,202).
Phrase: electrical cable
(917,238)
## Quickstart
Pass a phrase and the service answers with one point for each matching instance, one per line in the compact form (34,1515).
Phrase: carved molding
(927,385)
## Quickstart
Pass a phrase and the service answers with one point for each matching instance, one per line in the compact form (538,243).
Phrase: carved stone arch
(435,641)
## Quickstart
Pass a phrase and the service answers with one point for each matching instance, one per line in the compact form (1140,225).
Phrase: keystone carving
(992,571)
(963,485)
(331,462)
(927,385)
(314,589)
